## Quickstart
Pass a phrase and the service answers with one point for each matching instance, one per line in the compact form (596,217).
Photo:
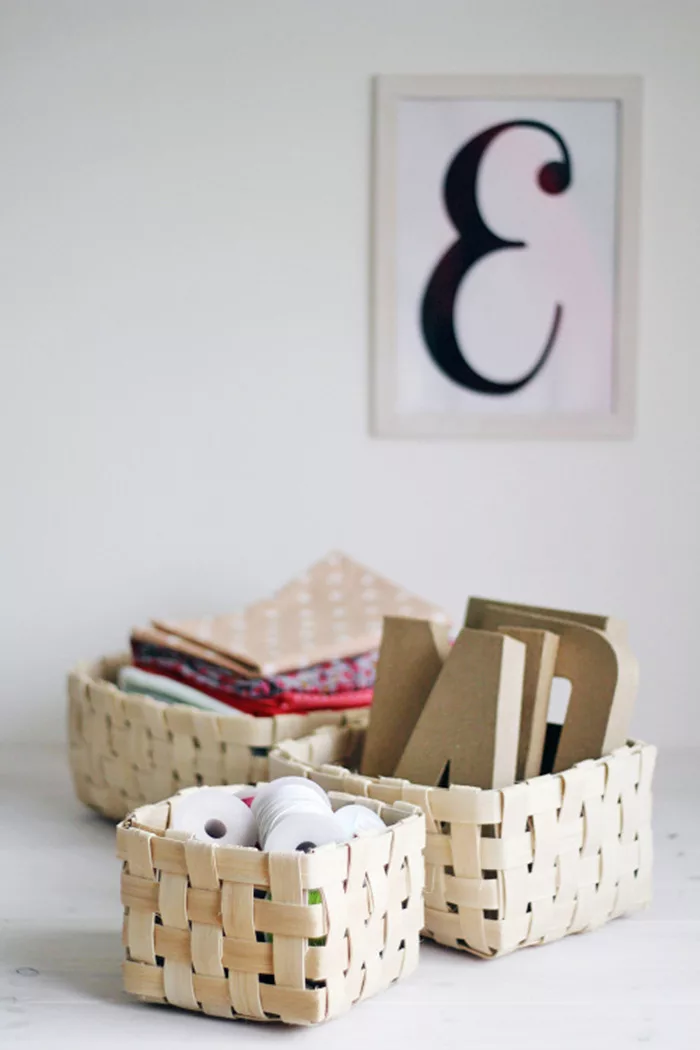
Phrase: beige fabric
(154,636)
(334,609)
(530,863)
(127,750)
(195,916)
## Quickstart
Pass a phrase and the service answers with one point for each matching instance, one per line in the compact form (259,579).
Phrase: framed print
(505,227)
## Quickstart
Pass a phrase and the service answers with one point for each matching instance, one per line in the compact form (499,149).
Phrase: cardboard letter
(411,656)
(603,674)
(615,629)
(472,716)
(540,662)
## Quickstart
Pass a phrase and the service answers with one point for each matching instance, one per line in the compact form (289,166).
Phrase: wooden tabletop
(634,983)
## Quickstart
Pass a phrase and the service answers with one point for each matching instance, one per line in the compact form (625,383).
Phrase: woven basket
(528,864)
(127,750)
(229,931)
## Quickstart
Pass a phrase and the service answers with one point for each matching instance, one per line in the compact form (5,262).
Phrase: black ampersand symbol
(476,241)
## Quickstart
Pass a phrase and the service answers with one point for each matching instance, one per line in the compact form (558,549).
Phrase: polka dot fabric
(333,610)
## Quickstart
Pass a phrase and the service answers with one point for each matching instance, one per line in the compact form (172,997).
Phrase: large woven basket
(230,931)
(127,750)
(528,864)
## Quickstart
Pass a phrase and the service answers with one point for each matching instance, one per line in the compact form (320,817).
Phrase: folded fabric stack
(313,646)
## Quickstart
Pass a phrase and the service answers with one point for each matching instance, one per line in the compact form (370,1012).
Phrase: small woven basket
(231,931)
(522,866)
(127,750)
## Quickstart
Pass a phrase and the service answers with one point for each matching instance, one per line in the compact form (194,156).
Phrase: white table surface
(636,982)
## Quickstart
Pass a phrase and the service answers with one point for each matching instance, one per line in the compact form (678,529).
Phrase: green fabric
(160,687)
(313,897)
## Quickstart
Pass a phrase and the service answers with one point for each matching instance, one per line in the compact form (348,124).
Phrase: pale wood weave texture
(127,750)
(230,931)
(521,866)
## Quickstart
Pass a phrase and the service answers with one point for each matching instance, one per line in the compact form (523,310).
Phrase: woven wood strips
(127,750)
(234,932)
(521,866)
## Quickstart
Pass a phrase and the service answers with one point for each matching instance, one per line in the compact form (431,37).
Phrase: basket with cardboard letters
(534,830)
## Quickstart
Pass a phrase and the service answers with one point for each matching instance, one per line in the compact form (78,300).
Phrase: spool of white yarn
(303,832)
(214,815)
(290,785)
(294,814)
(354,819)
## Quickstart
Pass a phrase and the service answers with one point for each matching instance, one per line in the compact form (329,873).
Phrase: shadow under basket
(294,937)
(127,750)
(520,866)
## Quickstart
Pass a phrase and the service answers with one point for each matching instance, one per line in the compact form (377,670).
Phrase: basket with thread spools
(127,750)
(238,932)
(527,864)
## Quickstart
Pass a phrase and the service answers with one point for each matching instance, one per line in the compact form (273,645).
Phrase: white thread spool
(214,815)
(287,784)
(294,814)
(354,819)
(303,832)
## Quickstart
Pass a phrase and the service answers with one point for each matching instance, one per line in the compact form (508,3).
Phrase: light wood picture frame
(505,216)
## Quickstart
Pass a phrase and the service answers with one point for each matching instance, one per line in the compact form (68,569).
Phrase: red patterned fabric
(281,704)
(350,674)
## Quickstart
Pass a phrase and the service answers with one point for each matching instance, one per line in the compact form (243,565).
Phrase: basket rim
(152,818)
(285,749)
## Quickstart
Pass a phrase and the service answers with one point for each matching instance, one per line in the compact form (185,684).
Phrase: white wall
(183,316)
